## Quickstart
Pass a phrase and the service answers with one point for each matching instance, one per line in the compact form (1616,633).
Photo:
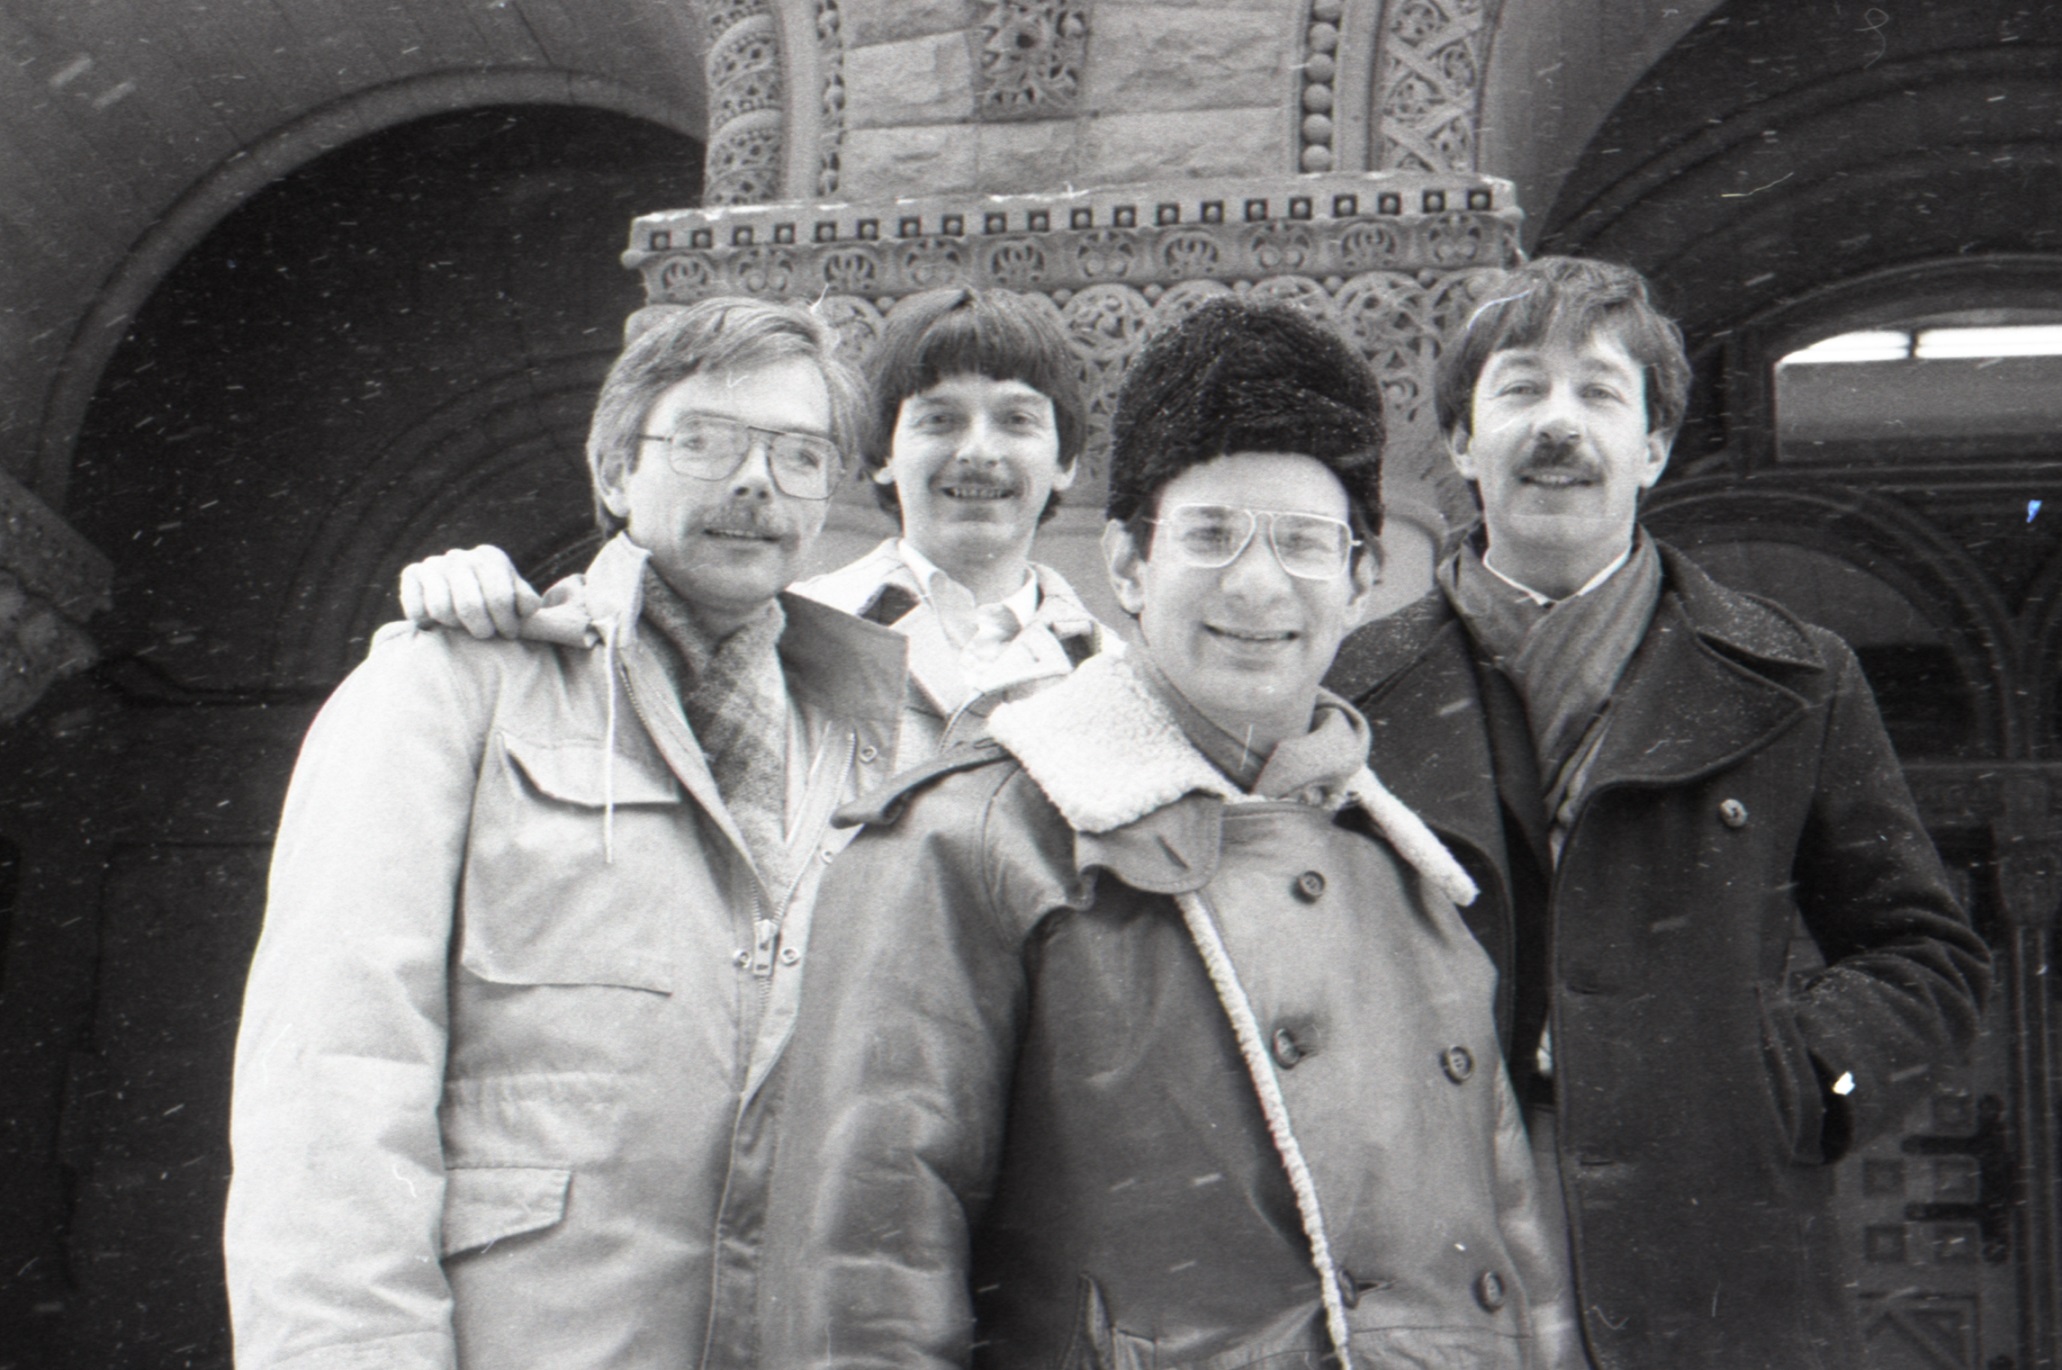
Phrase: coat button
(788,956)
(741,958)
(1489,1290)
(1309,886)
(1732,813)
(1349,1288)
(868,753)
(1287,1050)
(1458,1063)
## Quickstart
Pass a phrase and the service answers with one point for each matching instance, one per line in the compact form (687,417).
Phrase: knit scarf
(1564,658)
(736,701)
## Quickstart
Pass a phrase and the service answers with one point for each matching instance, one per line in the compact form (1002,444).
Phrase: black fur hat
(1241,377)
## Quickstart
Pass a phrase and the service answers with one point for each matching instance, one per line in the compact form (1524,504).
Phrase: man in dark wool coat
(1653,778)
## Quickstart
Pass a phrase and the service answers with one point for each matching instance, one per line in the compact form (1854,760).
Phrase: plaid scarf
(1564,658)
(736,701)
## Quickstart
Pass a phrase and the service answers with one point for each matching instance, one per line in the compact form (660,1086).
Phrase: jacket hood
(1109,754)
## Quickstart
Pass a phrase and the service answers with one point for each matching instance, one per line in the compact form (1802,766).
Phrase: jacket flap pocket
(485,1205)
(583,773)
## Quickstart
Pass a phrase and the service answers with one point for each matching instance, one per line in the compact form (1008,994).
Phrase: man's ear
(884,474)
(1126,567)
(1459,452)
(1366,571)
(1658,445)
(1063,478)
(614,497)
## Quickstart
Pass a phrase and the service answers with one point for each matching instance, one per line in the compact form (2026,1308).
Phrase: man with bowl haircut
(1657,782)
(978,422)
(975,428)
(1156,1036)
(537,911)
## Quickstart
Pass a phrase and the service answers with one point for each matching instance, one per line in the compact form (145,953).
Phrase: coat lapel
(1695,698)
(1431,739)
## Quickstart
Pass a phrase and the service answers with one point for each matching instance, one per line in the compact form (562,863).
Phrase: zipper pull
(765,934)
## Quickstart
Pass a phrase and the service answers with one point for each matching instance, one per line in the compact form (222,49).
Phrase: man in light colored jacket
(538,911)
(975,428)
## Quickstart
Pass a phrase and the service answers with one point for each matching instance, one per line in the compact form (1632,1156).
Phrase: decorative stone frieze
(1029,56)
(51,581)
(743,164)
(1429,82)
(1388,258)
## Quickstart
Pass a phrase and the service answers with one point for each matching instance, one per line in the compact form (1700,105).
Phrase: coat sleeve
(1905,975)
(332,1233)
(891,1102)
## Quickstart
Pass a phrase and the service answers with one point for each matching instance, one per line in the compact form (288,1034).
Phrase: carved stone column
(746,102)
(51,581)
(1387,258)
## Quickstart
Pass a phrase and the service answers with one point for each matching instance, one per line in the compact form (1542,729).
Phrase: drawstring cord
(1246,1028)
(608,747)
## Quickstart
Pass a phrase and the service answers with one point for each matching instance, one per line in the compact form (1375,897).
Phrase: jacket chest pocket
(574,868)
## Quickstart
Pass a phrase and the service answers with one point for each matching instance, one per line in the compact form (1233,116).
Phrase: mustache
(1558,455)
(746,519)
(997,476)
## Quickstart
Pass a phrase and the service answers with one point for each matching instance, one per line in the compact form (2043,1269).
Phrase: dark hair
(999,334)
(668,343)
(1573,297)
(1241,377)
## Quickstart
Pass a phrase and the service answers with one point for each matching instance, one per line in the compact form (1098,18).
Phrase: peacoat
(1125,1068)
(1745,790)
(498,1086)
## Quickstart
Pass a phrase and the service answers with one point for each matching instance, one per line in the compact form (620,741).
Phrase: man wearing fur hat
(1156,1035)
(1656,782)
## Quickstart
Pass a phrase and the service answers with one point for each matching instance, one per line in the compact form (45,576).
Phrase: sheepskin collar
(1108,753)
(1104,748)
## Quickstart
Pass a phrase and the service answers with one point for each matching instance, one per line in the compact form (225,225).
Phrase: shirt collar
(1543,600)
(936,585)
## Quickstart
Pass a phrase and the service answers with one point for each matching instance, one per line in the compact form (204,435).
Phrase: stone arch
(392,350)
(214,196)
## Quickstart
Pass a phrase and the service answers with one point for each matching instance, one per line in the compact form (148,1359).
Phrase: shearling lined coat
(1120,1067)
(1745,792)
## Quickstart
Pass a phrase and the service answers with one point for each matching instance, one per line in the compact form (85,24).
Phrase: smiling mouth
(1556,480)
(740,534)
(970,491)
(1254,637)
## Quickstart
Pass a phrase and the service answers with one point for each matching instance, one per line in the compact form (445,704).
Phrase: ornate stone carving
(830,139)
(1429,82)
(51,581)
(1386,257)
(745,103)
(1028,57)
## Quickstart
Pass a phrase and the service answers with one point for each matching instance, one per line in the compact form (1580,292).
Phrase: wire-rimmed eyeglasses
(706,447)
(1212,536)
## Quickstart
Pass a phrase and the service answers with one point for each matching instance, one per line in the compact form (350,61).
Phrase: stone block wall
(1051,93)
